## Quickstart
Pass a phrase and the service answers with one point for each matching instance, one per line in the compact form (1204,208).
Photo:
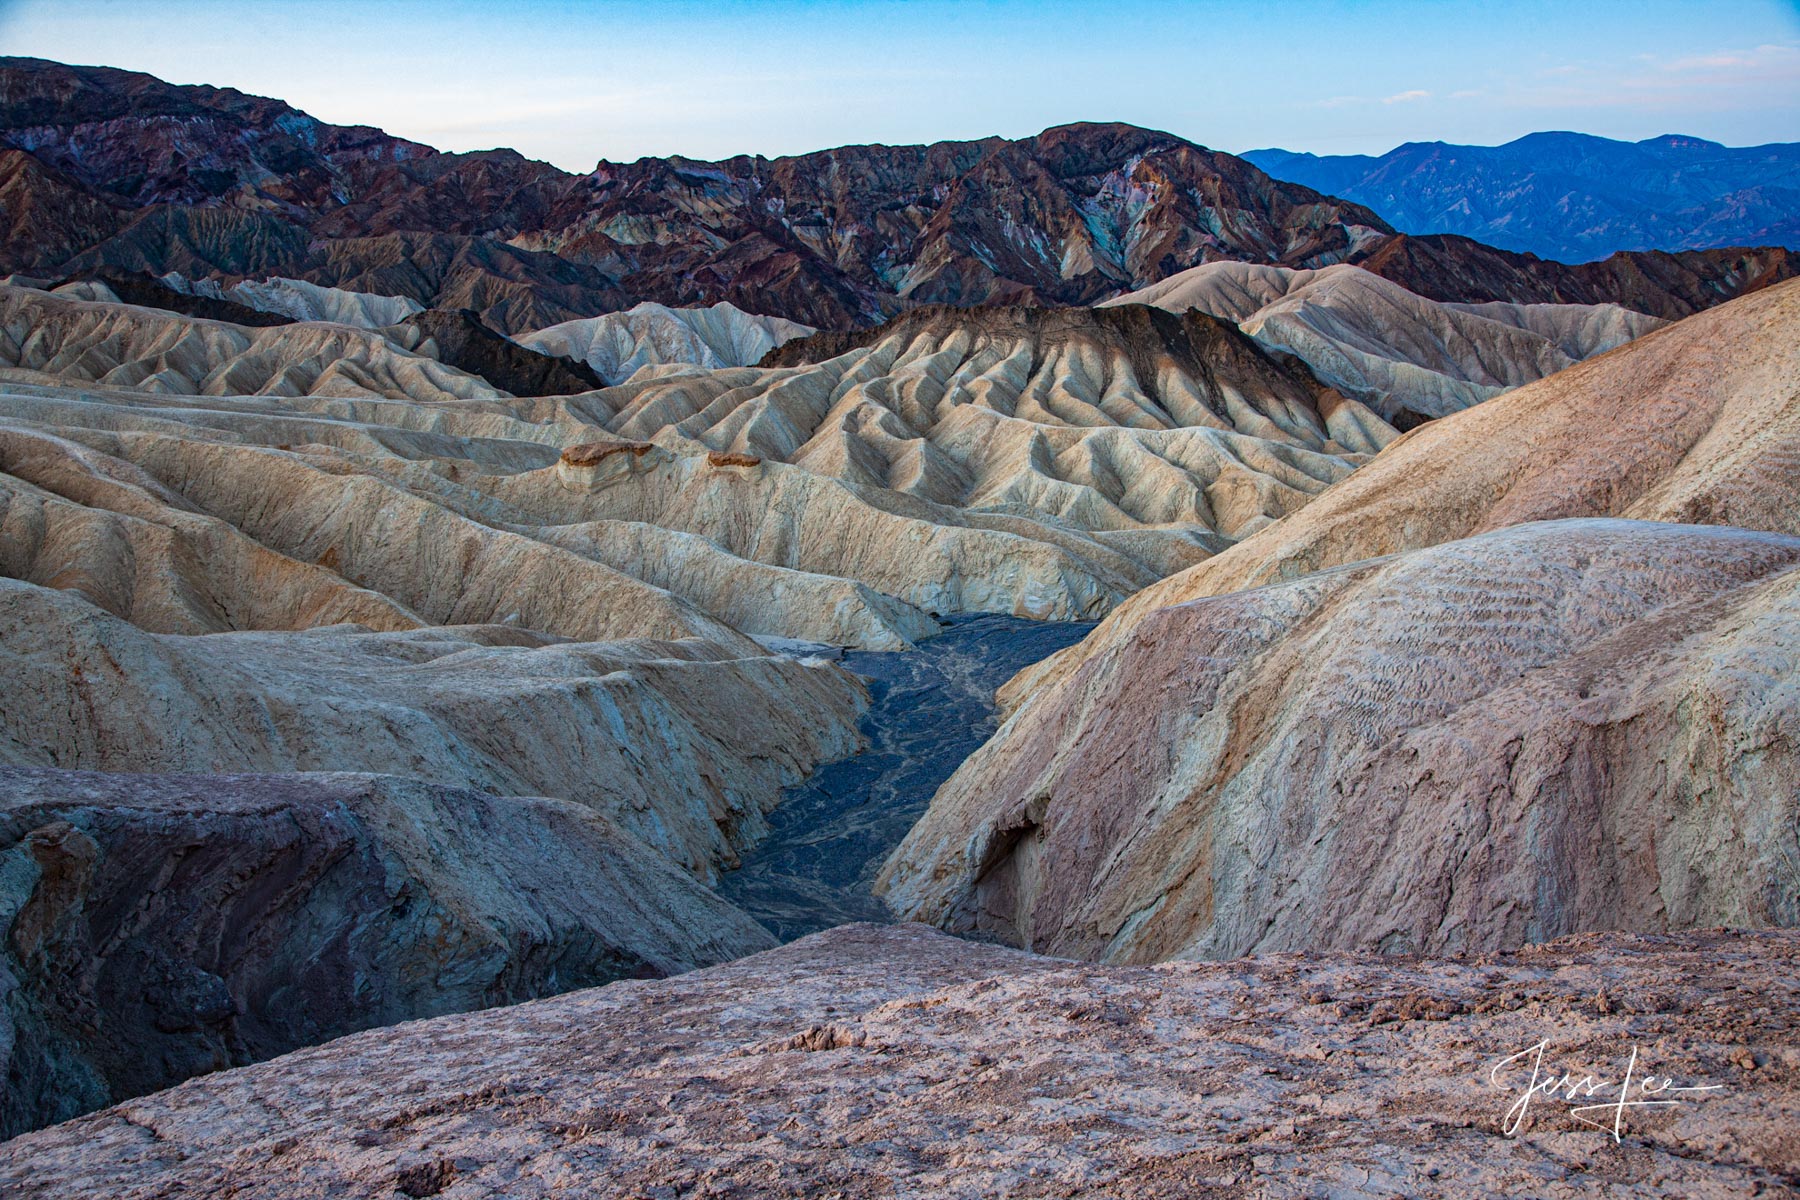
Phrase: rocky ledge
(154,927)
(896,1061)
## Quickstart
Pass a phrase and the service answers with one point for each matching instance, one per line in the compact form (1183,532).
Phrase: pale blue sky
(573,81)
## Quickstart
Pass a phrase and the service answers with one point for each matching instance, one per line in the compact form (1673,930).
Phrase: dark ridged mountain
(1571,196)
(103,170)
(1672,286)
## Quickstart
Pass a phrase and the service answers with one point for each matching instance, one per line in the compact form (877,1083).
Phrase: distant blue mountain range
(1570,196)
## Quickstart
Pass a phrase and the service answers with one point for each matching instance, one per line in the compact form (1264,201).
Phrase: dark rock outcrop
(1070,216)
(147,291)
(461,339)
(1149,340)
(155,927)
(1671,286)
(46,218)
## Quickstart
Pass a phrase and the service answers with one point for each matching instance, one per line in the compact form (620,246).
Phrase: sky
(577,81)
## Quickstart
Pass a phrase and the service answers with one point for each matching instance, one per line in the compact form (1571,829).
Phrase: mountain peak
(1568,196)
(1681,141)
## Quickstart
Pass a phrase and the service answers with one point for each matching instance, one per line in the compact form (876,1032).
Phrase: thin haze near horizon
(577,81)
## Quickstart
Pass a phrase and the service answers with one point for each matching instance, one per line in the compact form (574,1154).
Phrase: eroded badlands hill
(325,578)
(298,300)
(684,743)
(1594,713)
(897,1062)
(1043,463)
(653,335)
(292,551)
(82,341)
(1555,727)
(1111,420)
(1407,356)
(1699,422)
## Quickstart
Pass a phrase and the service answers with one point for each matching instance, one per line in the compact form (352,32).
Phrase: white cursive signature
(1652,1092)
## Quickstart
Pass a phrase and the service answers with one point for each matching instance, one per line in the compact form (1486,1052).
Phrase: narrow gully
(930,708)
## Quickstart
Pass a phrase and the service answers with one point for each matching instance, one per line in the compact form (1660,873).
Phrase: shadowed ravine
(929,709)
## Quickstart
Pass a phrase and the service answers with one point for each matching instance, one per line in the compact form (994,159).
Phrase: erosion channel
(930,708)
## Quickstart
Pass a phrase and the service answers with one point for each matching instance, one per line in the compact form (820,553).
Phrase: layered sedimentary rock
(616,345)
(924,556)
(1457,270)
(897,1062)
(154,927)
(1397,351)
(1696,423)
(325,577)
(1042,463)
(78,521)
(1068,216)
(196,515)
(684,744)
(1130,424)
(47,217)
(1213,794)
(171,350)
(514,289)
(205,299)
(1554,727)
(124,346)
(1046,464)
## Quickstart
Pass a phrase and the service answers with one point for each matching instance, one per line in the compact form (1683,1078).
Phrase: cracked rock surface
(895,1061)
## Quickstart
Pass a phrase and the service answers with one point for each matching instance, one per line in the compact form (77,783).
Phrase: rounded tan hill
(895,1062)
(1555,727)
(195,516)
(1391,348)
(1697,422)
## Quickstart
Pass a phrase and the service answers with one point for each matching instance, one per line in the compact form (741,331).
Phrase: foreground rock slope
(161,926)
(897,1062)
(1555,727)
